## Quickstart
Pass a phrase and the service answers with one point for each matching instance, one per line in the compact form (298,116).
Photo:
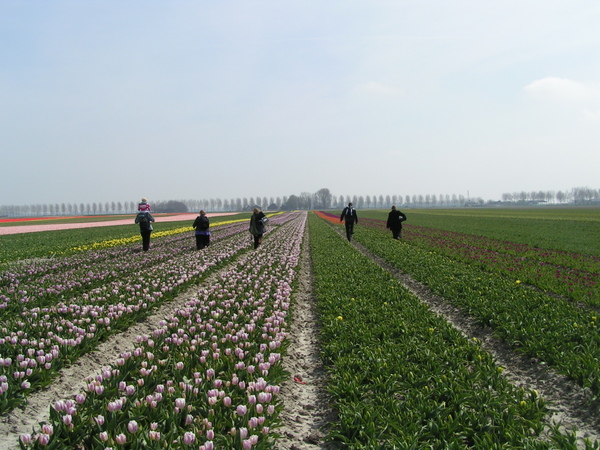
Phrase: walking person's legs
(146,240)
(349,229)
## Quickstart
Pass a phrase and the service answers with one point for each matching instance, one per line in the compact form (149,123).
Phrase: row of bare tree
(578,195)
(322,199)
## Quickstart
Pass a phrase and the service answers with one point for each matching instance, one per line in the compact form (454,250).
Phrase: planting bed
(398,387)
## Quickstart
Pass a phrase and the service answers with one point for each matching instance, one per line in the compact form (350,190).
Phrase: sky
(105,101)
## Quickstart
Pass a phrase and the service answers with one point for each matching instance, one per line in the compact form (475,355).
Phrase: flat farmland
(460,335)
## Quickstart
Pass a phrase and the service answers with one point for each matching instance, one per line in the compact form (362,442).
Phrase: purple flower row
(207,376)
(38,341)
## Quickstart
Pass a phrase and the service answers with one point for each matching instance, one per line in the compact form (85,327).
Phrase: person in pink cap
(144,206)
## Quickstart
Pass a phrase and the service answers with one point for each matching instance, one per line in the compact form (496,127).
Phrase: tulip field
(210,375)
(207,377)
(396,363)
(543,302)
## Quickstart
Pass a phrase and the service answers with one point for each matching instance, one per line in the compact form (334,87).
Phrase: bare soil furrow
(307,411)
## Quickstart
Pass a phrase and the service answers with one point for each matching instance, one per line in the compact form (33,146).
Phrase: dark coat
(145,225)
(395,219)
(257,227)
(201,223)
(349,215)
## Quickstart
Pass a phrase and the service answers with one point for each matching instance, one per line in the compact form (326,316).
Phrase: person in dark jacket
(257,226)
(145,219)
(394,222)
(202,233)
(350,218)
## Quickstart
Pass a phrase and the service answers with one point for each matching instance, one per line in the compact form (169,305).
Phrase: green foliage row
(402,377)
(552,329)
(570,229)
(574,276)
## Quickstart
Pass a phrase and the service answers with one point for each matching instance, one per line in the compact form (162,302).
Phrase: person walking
(145,219)
(201,225)
(350,218)
(257,226)
(394,222)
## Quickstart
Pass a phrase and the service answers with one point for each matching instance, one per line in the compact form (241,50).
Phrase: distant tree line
(576,196)
(322,199)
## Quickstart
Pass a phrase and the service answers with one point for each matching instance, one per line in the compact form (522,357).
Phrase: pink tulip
(43,439)
(189,438)
(132,426)
(154,435)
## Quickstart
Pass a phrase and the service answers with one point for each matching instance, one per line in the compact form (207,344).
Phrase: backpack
(144,222)
(203,223)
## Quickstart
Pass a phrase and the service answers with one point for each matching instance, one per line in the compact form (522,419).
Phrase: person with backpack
(257,228)
(144,219)
(201,225)
(394,222)
(350,217)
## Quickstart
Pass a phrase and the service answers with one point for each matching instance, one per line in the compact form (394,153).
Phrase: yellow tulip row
(132,239)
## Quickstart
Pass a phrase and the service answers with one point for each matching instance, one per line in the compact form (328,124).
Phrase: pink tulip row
(32,283)
(207,376)
(36,342)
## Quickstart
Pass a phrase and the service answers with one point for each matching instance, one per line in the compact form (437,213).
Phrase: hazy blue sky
(113,100)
